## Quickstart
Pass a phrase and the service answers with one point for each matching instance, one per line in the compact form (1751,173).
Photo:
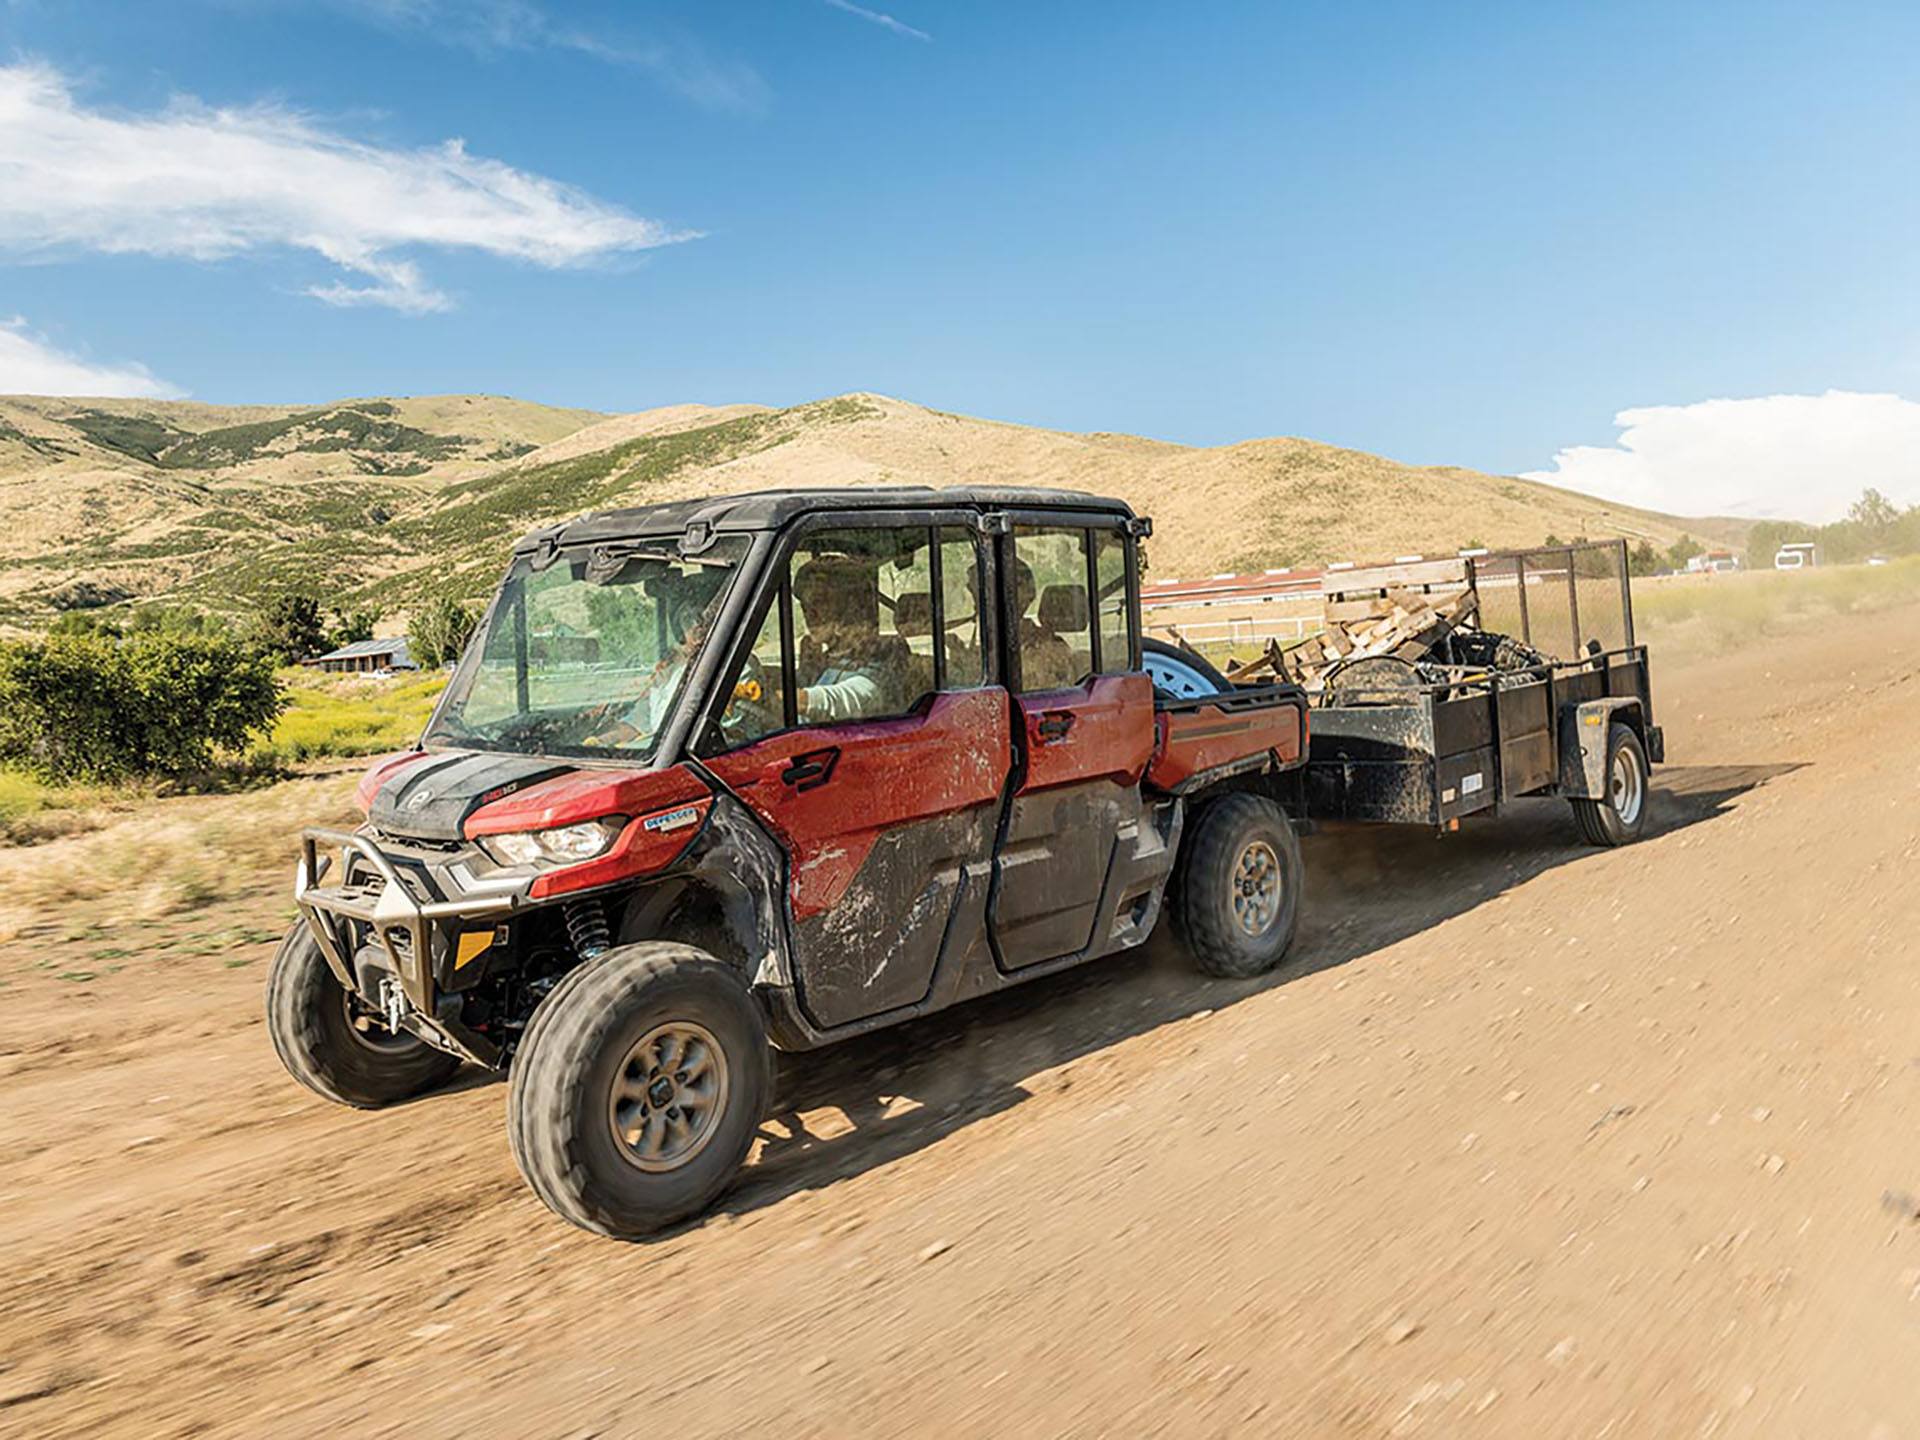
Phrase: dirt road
(1553,1142)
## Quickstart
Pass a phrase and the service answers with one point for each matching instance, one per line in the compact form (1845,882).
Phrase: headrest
(1063,608)
(913,613)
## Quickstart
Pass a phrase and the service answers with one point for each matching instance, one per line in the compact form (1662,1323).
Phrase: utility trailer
(1567,710)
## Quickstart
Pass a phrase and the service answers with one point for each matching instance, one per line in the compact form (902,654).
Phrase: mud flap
(1584,729)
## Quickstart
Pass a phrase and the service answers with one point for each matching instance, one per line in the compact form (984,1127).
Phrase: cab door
(887,814)
(1083,709)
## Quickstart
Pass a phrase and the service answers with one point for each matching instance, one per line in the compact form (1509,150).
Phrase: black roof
(771,509)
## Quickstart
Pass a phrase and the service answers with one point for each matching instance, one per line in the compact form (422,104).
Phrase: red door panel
(879,818)
(1086,751)
(1102,730)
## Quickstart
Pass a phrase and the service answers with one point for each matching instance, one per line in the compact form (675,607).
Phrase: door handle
(811,769)
(1054,724)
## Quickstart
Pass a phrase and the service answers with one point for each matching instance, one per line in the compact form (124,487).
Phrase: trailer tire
(600,1065)
(1237,892)
(1618,817)
(331,1045)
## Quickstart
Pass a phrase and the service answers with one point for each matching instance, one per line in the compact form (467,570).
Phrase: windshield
(588,655)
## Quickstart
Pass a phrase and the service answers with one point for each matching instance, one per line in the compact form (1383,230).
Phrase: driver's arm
(851,698)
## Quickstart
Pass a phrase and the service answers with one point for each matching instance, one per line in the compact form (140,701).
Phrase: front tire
(638,1089)
(1620,816)
(1238,897)
(334,1044)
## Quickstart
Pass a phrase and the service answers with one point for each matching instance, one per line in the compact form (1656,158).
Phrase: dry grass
(1689,615)
(167,856)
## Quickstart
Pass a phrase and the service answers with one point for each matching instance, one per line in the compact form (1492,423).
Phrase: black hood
(432,800)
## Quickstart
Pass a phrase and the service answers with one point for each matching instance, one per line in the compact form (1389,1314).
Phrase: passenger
(1047,661)
(846,668)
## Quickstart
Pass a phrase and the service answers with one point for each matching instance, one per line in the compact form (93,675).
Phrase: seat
(1063,609)
(913,622)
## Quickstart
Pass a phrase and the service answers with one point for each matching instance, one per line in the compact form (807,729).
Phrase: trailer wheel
(334,1043)
(1619,816)
(1237,903)
(638,1089)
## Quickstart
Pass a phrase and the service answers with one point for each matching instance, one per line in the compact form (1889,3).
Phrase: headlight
(562,845)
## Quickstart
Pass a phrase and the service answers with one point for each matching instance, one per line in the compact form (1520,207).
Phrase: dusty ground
(1531,1140)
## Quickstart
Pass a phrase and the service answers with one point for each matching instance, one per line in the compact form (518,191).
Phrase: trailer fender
(1583,741)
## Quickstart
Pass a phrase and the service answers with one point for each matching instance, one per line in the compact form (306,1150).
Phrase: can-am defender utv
(773,769)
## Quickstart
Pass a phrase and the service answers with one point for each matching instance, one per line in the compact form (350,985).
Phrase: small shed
(365,655)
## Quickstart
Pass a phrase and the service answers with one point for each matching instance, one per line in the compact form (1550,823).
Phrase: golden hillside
(383,502)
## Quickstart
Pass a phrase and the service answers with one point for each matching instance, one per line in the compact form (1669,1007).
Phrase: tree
(1683,550)
(1552,542)
(290,626)
(1874,514)
(1764,541)
(439,631)
(350,627)
(1643,559)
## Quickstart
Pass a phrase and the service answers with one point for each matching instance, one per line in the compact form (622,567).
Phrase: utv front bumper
(412,913)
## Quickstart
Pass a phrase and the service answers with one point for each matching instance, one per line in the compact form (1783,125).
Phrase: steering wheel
(749,708)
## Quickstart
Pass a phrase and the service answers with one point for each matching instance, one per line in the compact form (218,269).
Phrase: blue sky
(1486,234)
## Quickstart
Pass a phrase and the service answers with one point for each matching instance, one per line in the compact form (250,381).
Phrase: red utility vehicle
(774,770)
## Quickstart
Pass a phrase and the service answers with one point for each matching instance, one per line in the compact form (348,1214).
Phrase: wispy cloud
(205,184)
(490,27)
(1804,457)
(31,365)
(886,22)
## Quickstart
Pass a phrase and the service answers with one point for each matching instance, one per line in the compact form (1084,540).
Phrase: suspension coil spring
(587,928)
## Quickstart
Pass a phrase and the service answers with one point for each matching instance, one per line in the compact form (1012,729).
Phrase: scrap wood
(1400,621)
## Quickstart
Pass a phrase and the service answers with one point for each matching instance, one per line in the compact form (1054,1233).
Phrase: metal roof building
(364,655)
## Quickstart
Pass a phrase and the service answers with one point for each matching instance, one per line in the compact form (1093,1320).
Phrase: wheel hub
(668,1095)
(1624,789)
(1257,890)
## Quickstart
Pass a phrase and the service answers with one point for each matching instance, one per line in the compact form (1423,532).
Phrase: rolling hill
(384,502)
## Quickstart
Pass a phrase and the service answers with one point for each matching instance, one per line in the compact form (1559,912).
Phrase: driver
(646,712)
(846,668)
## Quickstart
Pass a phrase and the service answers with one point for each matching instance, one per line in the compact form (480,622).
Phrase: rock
(1774,1164)
(935,1250)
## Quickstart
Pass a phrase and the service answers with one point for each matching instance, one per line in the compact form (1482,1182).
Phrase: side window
(1110,577)
(858,603)
(758,705)
(1055,628)
(960,610)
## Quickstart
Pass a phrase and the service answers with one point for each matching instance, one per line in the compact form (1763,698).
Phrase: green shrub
(91,707)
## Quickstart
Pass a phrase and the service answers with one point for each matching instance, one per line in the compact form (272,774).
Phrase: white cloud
(899,27)
(205,184)
(1804,457)
(488,27)
(29,365)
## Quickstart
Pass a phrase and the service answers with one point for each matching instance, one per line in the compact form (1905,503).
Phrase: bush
(89,707)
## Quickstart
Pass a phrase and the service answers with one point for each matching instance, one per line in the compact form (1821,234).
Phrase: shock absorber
(587,927)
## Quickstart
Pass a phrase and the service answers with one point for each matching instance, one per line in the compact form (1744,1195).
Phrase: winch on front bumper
(412,915)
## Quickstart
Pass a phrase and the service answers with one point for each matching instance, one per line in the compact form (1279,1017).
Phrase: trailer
(1554,699)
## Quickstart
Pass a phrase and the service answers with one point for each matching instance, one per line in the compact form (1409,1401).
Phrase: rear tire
(638,1089)
(1620,816)
(333,1044)
(1237,901)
